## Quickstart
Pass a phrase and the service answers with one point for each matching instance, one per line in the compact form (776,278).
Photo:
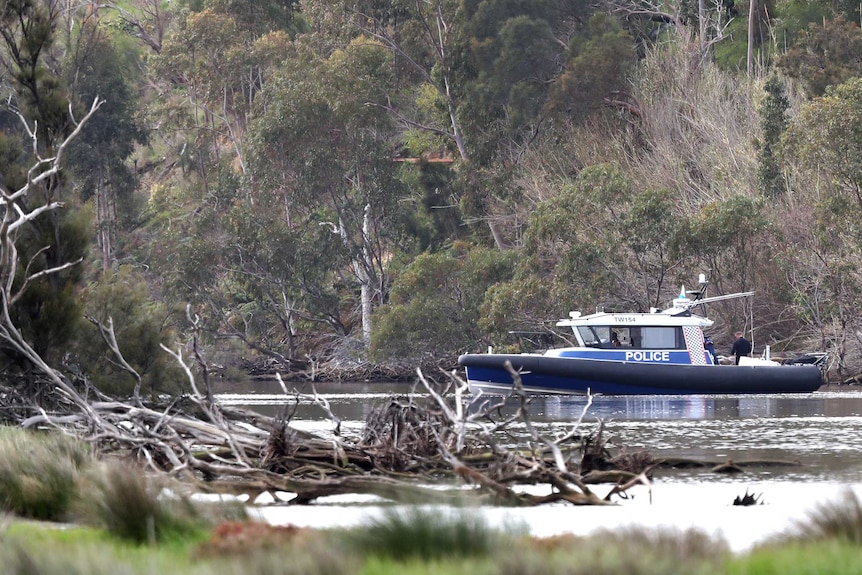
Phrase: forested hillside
(355,187)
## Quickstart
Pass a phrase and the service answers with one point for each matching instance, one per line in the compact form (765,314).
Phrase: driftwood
(410,447)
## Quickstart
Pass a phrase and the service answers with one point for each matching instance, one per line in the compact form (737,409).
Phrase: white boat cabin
(674,335)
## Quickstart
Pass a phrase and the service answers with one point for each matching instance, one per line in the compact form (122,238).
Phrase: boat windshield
(608,336)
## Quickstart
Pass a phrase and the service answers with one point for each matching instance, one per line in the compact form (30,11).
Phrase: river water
(816,435)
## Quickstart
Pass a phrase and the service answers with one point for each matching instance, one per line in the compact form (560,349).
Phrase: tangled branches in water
(409,446)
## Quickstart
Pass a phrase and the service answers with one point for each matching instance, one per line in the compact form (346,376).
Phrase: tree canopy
(343,182)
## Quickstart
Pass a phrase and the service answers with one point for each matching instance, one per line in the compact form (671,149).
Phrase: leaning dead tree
(409,444)
(17,210)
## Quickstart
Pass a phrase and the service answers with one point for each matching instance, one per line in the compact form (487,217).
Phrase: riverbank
(674,513)
(419,541)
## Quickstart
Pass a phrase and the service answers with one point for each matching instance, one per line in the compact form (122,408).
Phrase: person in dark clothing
(741,346)
(710,349)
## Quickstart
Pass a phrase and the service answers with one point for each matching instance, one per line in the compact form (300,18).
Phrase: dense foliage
(327,180)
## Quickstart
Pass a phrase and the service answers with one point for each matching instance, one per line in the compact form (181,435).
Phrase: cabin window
(631,337)
(660,337)
(595,336)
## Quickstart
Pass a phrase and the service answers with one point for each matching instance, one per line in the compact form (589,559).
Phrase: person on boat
(615,339)
(710,348)
(741,346)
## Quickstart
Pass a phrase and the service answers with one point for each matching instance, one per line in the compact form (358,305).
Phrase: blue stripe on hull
(499,380)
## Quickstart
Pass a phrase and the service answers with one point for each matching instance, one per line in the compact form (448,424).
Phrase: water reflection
(819,430)
(817,433)
(681,407)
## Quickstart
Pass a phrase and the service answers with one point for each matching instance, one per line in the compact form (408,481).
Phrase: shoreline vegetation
(99,509)
(254,201)
(120,521)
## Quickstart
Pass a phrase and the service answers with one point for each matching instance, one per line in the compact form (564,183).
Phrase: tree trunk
(365,278)
(753,11)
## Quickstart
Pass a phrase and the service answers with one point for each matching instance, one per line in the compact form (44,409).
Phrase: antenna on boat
(684,304)
(701,293)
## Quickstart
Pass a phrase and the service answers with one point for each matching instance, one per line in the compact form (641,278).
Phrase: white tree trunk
(752,20)
(366,293)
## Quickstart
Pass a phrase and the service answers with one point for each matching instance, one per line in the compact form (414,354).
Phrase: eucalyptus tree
(602,242)
(146,20)
(103,63)
(597,73)
(292,254)
(732,240)
(826,138)
(823,146)
(824,54)
(472,78)
(47,313)
(29,301)
(705,22)
(324,151)
(209,70)
(434,310)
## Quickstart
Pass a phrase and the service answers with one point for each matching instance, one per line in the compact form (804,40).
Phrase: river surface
(818,435)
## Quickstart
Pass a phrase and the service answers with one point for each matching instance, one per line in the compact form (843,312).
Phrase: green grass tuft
(39,472)
(428,534)
(135,507)
(839,520)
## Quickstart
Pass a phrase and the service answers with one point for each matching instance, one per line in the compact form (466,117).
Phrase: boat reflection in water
(641,407)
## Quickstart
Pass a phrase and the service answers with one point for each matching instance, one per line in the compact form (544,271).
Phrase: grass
(34,549)
(820,558)
(134,506)
(839,520)
(420,533)
(39,473)
(52,477)
(141,525)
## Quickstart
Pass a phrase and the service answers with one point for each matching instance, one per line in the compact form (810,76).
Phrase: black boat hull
(559,375)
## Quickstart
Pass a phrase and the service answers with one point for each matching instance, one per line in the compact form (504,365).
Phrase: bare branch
(150,28)
(107,333)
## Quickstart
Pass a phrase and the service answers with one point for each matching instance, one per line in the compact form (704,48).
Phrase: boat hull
(557,375)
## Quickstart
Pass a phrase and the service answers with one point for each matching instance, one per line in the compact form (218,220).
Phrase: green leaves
(773,123)
(434,308)
(827,137)
(600,62)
